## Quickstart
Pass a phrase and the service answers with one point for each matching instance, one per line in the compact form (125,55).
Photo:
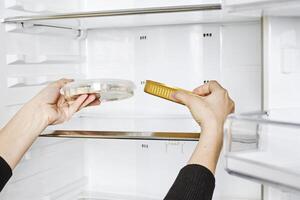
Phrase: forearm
(208,148)
(20,132)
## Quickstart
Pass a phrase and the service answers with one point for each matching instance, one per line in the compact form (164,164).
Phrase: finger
(95,103)
(201,90)
(62,82)
(214,86)
(185,98)
(61,101)
(88,100)
(232,106)
(75,106)
(208,88)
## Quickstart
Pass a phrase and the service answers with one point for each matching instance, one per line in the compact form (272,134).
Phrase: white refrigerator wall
(179,55)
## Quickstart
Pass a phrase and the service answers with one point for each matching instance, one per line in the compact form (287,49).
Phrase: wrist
(213,126)
(37,111)
(212,132)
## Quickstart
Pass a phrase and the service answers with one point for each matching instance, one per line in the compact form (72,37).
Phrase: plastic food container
(105,89)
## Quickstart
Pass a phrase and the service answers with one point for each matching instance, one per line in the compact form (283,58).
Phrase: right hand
(53,106)
(210,104)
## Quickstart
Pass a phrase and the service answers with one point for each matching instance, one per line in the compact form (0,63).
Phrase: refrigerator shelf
(185,14)
(121,12)
(123,135)
(264,147)
(39,29)
(28,81)
(21,59)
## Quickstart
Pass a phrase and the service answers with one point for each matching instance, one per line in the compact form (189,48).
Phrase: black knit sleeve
(5,173)
(194,182)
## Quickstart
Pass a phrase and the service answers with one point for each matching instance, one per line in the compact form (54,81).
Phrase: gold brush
(161,90)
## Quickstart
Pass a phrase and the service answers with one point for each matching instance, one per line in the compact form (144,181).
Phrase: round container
(105,89)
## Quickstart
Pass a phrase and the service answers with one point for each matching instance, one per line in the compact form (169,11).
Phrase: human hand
(210,104)
(53,106)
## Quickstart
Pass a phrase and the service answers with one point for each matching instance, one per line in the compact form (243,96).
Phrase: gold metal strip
(124,135)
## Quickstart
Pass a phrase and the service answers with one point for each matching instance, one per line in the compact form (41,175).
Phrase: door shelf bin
(265,147)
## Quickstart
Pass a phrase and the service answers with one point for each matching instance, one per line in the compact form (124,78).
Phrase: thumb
(184,98)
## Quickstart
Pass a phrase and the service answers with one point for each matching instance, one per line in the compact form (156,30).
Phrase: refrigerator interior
(181,50)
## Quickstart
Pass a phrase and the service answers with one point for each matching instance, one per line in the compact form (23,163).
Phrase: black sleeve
(194,182)
(5,173)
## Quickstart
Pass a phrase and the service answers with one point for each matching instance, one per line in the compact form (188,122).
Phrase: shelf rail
(177,136)
(121,12)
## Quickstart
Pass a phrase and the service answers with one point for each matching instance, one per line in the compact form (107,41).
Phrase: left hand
(55,109)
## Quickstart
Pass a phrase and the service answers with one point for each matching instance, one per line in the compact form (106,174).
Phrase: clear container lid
(105,89)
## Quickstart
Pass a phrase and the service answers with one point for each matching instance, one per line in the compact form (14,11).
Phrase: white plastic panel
(242,65)
(35,7)
(263,7)
(290,60)
(147,169)
(43,30)
(247,2)
(51,168)
(281,75)
(275,194)
(2,63)
(33,61)
(272,158)
(142,166)
(43,59)
(282,61)
(241,70)
(110,196)
(44,6)
(25,81)
(157,53)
